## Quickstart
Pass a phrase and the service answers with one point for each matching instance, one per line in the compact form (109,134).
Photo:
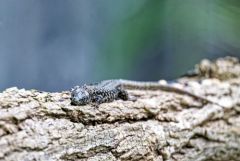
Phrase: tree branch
(160,125)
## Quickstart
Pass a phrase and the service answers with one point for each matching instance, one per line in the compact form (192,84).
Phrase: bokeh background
(53,45)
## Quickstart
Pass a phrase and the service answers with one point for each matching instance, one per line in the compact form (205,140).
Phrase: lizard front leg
(123,94)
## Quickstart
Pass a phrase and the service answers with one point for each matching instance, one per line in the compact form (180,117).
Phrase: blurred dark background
(53,45)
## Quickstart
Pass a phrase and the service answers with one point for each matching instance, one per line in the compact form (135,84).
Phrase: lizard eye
(74,88)
(79,96)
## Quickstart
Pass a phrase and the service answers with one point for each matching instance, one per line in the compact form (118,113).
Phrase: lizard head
(79,96)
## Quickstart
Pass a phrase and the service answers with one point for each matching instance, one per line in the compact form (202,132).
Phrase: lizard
(110,90)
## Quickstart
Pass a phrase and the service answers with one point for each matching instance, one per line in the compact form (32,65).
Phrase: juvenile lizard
(110,90)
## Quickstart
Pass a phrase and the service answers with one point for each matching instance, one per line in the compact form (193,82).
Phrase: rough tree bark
(159,126)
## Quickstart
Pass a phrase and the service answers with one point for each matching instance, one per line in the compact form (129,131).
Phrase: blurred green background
(54,45)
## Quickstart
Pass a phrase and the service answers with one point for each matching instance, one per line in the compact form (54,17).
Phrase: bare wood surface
(159,126)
